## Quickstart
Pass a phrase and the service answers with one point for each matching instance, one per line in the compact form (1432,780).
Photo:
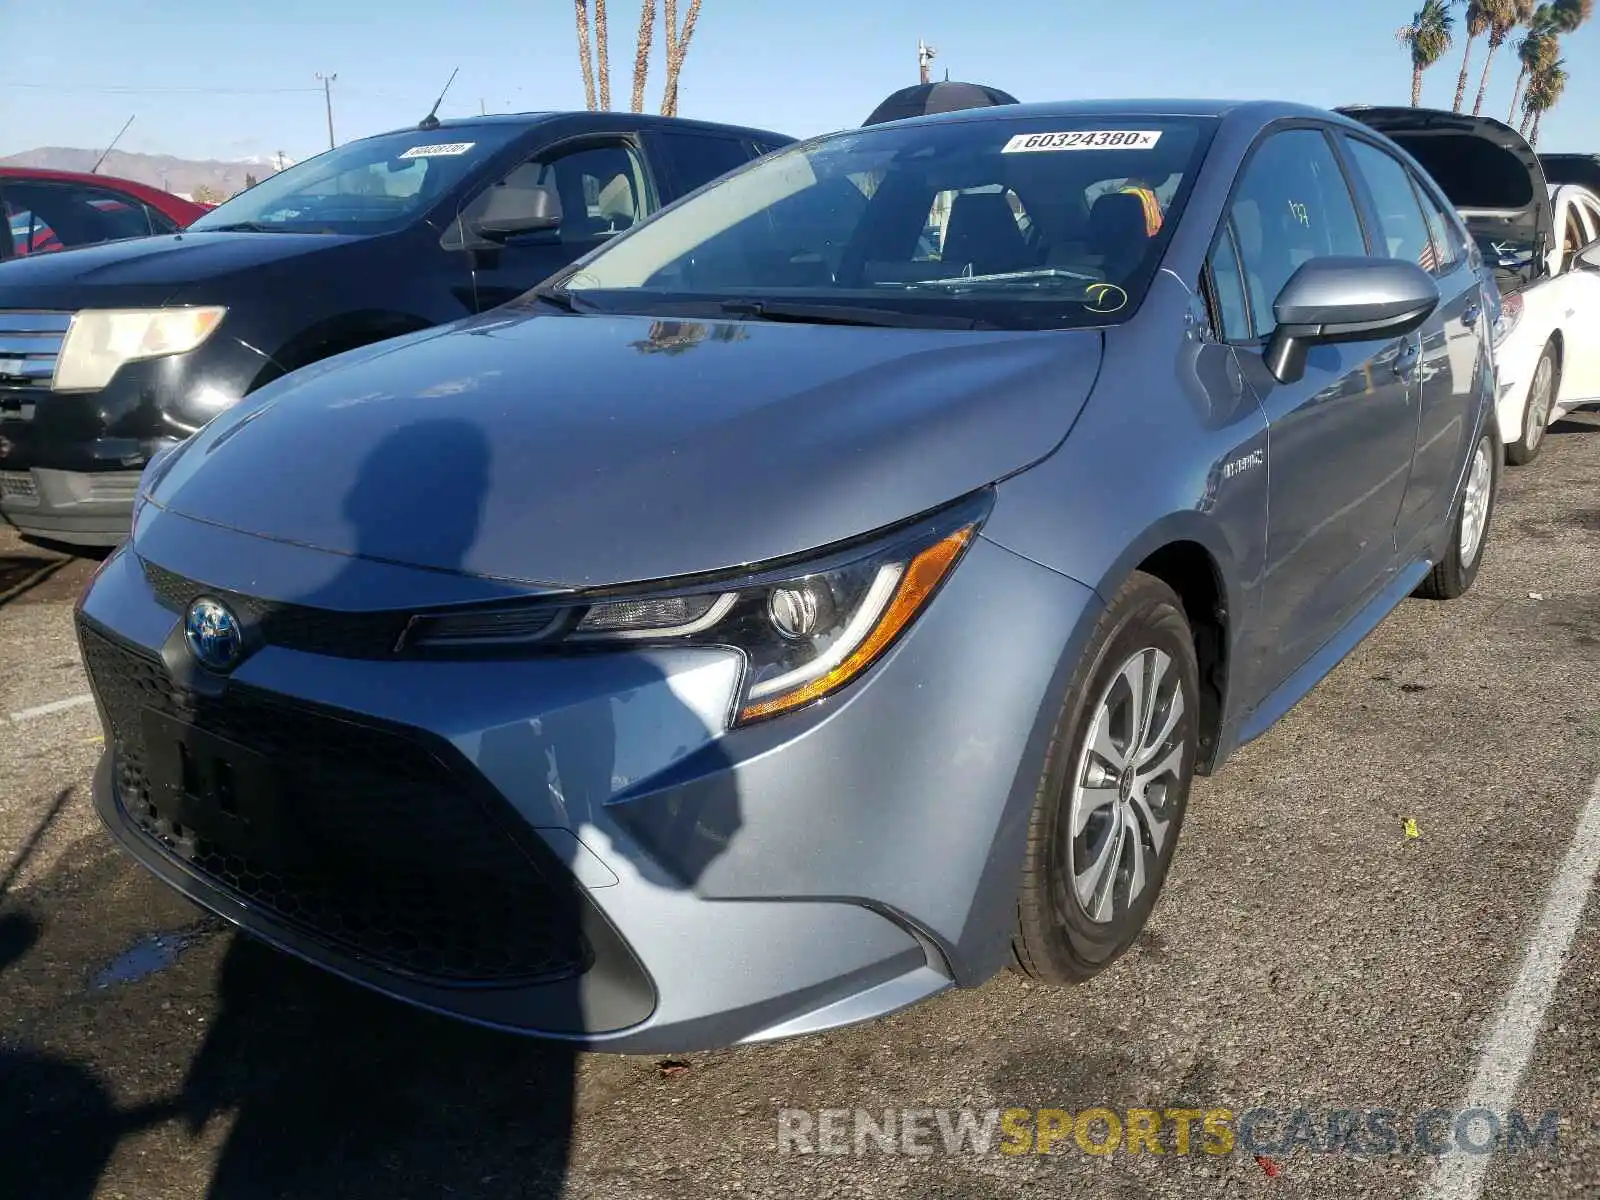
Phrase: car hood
(151,270)
(578,451)
(1485,168)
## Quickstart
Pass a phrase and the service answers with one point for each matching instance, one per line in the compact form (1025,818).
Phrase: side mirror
(510,210)
(1346,300)
(1588,258)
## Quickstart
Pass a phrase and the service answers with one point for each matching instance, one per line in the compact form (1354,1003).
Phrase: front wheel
(1114,790)
(1454,573)
(1536,410)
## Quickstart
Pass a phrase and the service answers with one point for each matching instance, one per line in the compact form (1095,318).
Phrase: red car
(56,210)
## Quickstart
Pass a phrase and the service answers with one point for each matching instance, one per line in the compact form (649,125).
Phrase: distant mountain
(181,176)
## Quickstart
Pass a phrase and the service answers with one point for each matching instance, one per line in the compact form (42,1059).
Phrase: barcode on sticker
(439,150)
(1084,139)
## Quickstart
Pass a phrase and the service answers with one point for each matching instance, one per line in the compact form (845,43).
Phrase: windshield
(1027,224)
(375,185)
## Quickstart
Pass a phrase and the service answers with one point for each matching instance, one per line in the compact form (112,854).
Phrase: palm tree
(1427,37)
(641,55)
(1544,91)
(1479,20)
(1550,22)
(602,55)
(1504,16)
(677,50)
(1533,51)
(585,57)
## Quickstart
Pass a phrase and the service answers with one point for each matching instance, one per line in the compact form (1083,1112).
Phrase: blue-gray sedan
(819,596)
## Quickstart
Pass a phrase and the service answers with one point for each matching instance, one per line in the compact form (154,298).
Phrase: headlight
(100,341)
(804,631)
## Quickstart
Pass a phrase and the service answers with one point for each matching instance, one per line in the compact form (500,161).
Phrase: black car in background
(108,353)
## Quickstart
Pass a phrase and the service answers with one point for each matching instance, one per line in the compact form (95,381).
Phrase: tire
(1060,938)
(1542,392)
(1453,574)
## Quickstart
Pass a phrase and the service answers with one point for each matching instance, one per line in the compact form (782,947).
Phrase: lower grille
(401,860)
(19,485)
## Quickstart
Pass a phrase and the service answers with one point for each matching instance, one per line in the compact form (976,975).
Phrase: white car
(1547,336)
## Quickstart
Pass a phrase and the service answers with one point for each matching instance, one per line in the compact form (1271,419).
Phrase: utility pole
(925,57)
(327,96)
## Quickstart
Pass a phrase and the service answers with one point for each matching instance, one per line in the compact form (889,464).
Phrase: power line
(159,91)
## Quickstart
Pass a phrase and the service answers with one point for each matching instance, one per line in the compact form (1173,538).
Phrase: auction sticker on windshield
(439,150)
(1084,139)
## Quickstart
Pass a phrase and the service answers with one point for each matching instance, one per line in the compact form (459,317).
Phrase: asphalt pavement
(1366,932)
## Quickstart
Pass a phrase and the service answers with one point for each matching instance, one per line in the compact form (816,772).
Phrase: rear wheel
(1115,787)
(1536,410)
(1453,574)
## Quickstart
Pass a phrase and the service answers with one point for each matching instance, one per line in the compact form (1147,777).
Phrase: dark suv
(109,352)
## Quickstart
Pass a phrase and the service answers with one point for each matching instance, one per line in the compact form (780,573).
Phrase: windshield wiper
(845,314)
(239,227)
(1057,276)
(556,297)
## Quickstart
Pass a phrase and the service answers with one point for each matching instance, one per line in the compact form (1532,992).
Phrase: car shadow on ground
(269,1077)
(324,1090)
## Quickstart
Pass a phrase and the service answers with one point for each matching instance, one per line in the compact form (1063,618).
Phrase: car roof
(1265,110)
(116,181)
(175,207)
(605,119)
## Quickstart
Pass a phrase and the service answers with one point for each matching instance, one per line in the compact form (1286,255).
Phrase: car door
(1340,439)
(692,158)
(1578,308)
(603,186)
(1409,223)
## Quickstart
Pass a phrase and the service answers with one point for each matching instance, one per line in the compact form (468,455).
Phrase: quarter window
(1227,286)
(1448,243)
(1403,233)
(1292,205)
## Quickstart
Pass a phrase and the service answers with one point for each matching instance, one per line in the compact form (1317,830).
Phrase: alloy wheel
(1475,504)
(1541,395)
(1125,784)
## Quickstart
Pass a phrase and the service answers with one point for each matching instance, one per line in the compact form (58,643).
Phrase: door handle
(1405,363)
(1470,317)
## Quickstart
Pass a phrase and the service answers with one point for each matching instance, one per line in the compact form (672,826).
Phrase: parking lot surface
(1355,898)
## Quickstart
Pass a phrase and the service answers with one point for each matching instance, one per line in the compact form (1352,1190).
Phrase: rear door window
(1575,235)
(55,216)
(697,158)
(1403,231)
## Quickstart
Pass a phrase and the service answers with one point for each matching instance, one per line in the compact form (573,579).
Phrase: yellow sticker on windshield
(439,150)
(1104,298)
(1084,139)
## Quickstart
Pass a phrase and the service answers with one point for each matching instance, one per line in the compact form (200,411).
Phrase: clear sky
(231,79)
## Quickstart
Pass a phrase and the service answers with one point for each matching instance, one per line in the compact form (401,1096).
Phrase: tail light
(1510,314)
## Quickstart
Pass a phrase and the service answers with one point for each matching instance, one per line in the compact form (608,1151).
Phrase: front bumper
(70,461)
(576,847)
(76,508)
